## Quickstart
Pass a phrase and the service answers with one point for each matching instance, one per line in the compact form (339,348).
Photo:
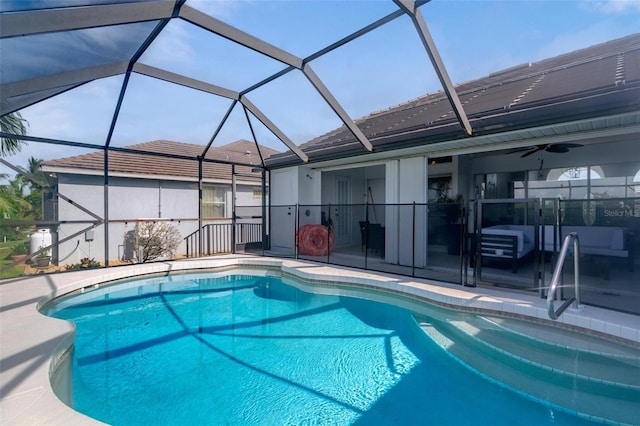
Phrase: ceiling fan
(548,147)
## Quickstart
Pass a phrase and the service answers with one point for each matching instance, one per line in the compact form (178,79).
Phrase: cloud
(80,115)
(615,6)
(49,118)
(215,8)
(599,32)
(173,46)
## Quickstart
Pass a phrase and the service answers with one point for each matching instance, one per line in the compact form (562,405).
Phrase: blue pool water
(250,350)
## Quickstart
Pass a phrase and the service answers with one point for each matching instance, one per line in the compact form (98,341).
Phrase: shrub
(151,240)
(85,263)
(20,248)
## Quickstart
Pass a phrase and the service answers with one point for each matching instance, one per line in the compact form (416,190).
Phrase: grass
(12,272)
(5,251)
(5,260)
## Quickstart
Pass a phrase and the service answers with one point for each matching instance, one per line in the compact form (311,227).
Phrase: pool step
(604,386)
(562,338)
(562,359)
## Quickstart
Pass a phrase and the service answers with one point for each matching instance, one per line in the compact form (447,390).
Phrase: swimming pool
(249,349)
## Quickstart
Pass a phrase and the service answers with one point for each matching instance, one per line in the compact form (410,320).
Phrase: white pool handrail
(553,314)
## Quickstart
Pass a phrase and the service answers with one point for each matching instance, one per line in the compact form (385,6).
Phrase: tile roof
(241,151)
(508,99)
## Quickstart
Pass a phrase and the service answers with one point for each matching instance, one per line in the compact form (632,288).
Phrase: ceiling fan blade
(568,145)
(516,150)
(531,152)
(562,147)
(557,149)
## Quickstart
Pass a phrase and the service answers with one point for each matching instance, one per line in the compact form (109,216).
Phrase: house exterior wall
(309,186)
(87,192)
(150,198)
(130,199)
(403,181)
(284,196)
(406,183)
(248,202)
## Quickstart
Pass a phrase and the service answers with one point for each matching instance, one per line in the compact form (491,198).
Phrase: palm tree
(34,167)
(34,170)
(14,203)
(12,200)
(35,189)
(12,123)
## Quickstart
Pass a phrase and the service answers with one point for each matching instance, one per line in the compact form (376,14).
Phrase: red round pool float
(314,240)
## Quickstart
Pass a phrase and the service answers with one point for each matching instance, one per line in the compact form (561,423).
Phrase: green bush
(85,263)
(20,248)
(10,233)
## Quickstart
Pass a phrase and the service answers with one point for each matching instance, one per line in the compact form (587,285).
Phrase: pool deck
(30,343)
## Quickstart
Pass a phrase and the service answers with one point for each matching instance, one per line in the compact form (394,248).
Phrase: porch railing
(217,238)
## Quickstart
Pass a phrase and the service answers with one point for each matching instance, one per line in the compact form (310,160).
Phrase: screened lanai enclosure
(381,135)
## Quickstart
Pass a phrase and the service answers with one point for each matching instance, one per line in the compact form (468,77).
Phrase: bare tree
(151,240)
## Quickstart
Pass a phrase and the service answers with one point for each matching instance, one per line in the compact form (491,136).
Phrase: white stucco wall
(247,203)
(145,198)
(406,182)
(284,197)
(309,185)
(130,199)
(395,182)
(88,192)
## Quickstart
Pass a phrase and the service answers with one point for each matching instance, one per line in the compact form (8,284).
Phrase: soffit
(583,131)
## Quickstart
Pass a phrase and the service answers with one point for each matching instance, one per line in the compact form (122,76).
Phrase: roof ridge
(163,146)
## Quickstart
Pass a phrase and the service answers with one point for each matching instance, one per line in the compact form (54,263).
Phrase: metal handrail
(553,314)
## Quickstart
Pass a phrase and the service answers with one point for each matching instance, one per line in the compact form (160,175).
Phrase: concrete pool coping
(30,342)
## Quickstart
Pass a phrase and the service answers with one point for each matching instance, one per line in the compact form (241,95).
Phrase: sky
(379,70)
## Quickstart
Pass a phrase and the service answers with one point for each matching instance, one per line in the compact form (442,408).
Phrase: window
(575,183)
(213,201)
(620,184)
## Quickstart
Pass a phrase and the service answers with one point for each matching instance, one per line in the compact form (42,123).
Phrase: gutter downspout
(159,199)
